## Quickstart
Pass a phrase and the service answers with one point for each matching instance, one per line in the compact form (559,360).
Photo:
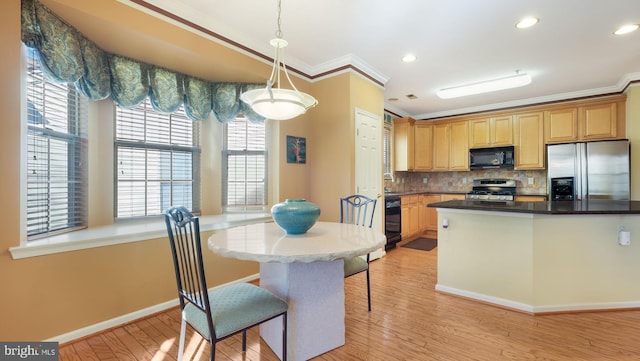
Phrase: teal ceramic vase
(295,216)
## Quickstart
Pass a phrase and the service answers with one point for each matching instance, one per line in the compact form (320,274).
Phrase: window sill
(125,233)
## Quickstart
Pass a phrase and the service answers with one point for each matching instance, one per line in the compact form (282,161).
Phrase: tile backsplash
(532,182)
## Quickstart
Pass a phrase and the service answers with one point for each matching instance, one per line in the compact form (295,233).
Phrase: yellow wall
(332,149)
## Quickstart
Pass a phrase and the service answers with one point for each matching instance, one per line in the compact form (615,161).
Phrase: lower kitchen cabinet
(429,215)
(410,216)
(530,198)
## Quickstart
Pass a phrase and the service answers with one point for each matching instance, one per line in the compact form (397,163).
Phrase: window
(157,161)
(56,154)
(386,150)
(245,166)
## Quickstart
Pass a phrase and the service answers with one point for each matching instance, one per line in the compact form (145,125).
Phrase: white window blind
(245,165)
(56,154)
(157,161)
(386,151)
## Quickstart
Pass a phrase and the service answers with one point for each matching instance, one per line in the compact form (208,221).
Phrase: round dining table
(307,271)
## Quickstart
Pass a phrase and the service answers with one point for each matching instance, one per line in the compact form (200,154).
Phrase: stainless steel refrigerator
(600,170)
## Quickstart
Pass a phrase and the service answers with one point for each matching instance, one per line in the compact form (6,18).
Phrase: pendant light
(274,102)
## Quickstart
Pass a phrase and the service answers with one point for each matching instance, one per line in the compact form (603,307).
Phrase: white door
(368,159)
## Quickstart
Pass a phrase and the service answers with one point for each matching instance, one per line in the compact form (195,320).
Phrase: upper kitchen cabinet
(413,145)
(491,132)
(423,146)
(451,146)
(590,120)
(602,121)
(441,146)
(403,144)
(459,152)
(561,125)
(529,140)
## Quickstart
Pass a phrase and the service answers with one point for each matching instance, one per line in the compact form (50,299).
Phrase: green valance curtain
(68,56)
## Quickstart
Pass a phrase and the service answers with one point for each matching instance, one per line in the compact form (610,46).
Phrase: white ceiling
(571,53)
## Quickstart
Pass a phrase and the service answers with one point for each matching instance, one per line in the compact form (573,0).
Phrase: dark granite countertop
(556,207)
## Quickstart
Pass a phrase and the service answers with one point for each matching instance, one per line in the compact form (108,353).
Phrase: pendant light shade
(277,103)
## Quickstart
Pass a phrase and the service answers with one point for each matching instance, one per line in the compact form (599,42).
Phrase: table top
(325,241)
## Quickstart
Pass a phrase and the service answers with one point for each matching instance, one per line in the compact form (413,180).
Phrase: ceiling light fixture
(625,29)
(409,58)
(277,103)
(486,86)
(527,22)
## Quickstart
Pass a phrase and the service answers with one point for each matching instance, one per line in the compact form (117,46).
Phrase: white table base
(315,294)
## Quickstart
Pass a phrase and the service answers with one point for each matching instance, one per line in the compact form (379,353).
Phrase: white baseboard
(485,298)
(120,320)
(539,309)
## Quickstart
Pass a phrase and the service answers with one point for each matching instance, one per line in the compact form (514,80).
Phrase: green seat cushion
(234,308)
(354,265)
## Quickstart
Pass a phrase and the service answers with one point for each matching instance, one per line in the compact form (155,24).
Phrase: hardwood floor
(409,321)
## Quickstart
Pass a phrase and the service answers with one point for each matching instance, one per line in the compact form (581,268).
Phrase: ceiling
(571,53)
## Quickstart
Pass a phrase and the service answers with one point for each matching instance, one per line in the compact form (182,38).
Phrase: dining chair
(358,209)
(223,311)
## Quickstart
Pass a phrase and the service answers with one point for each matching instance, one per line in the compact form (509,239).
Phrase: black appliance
(489,158)
(492,190)
(562,189)
(392,220)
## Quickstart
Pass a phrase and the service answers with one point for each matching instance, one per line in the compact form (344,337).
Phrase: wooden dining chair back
(224,311)
(359,210)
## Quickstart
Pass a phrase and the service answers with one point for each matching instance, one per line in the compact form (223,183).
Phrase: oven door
(392,223)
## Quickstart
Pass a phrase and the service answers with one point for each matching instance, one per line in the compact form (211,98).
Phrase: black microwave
(488,158)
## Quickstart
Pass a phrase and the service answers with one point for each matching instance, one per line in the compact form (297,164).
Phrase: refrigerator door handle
(582,192)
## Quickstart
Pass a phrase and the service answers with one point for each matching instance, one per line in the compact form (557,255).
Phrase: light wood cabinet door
(501,130)
(403,147)
(491,132)
(561,125)
(459,152)
(479,133)
(441,145)
(599,121)
(423,146)
(430,215)
(530,198)
(529,140)
(405,221)
(409,215)
(451,197)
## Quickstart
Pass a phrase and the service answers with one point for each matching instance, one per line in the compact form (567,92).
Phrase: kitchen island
(540,257)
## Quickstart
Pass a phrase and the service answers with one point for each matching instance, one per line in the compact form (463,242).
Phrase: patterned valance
(68,56)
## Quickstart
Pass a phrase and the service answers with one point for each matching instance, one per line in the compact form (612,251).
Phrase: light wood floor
(409,321)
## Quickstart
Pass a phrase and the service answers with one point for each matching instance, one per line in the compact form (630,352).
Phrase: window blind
(386,150)
(157,161)
(56,154)
(245,164)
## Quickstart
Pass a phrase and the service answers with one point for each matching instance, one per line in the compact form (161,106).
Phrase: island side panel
(487,256)
(579,265)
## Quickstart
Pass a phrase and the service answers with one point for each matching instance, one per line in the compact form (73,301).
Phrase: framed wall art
(296,150)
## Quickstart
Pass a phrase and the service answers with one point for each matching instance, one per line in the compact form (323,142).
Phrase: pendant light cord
(279,31)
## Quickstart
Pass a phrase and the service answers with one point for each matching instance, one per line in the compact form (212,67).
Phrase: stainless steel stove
(492,190)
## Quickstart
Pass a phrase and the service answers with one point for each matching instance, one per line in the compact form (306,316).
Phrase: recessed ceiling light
(393,99)
(527,22)
(409,58)
(625,29)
